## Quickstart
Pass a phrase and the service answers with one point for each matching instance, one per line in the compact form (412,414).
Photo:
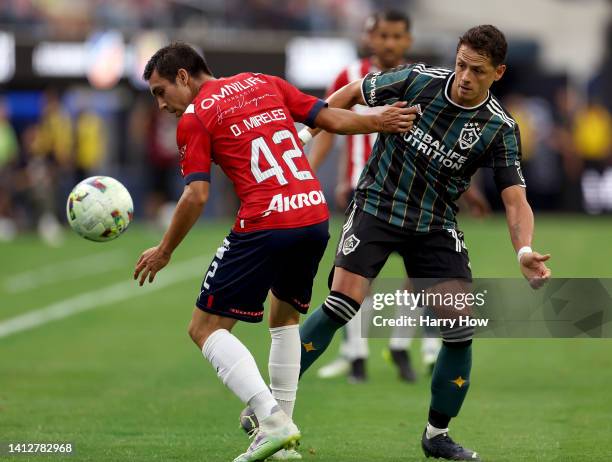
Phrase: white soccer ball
(99,208)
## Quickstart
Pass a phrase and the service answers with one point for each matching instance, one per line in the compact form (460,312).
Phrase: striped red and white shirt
(358,147)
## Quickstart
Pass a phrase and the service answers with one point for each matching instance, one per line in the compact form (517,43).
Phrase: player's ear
(499,71)
(182,76)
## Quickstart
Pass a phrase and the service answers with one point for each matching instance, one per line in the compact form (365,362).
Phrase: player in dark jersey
(245,124)
(389,38)
(405,202)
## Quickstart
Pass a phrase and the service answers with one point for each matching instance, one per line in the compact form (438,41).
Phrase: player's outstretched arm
(336,119)
(394,119)
(520,223)
(187,212)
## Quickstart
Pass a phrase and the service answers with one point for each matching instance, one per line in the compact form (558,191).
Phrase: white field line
(65,271)
(192,268)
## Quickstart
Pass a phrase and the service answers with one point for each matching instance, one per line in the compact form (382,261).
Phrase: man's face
(173,97)
(390,41)
(474,75)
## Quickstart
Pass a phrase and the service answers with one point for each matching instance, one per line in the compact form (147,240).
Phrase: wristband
(522,251)
(305,136)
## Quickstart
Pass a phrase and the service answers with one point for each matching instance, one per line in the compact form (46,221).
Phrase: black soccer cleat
(358,372)
(404,366)
(443,447)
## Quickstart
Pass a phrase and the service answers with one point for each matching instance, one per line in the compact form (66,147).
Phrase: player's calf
(318,330)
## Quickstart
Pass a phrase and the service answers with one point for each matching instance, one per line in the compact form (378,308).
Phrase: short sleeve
(505,158)
(381,88)
(194,144)
(302,107)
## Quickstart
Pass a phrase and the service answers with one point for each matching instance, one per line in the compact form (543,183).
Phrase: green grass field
(121,380)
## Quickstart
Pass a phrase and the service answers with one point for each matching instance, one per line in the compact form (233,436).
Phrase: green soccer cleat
(274,433)
(286,454)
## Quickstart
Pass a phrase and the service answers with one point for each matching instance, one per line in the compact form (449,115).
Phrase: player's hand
(398,118)
(150,262)
(534,269)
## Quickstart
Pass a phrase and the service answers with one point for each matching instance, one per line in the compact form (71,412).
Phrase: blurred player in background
(9,150)
(388,38)
(245,124)
(405,202)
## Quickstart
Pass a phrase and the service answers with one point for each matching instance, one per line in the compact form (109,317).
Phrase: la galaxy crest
(350,244)
(469,136)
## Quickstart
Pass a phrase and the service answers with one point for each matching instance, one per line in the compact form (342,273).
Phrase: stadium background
(116,374)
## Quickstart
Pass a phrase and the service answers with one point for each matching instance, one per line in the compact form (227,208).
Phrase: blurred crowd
(38,159)
(567,151)
(66,18)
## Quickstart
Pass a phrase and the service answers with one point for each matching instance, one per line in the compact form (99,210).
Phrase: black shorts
(367,241)
(248,265)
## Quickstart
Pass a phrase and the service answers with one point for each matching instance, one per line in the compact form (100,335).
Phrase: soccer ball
(99,208)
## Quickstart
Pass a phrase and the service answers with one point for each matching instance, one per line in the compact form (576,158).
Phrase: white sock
(430,347)
(263,404)
(356,345)
(284,365)
(401,336)
(237,369)
(397,342)
(432,431)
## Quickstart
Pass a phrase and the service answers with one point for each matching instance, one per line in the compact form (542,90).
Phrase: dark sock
(316,333)
(319,328)
(450,380)
(437,419)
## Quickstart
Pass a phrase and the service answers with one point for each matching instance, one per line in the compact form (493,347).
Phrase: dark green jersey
(412,180)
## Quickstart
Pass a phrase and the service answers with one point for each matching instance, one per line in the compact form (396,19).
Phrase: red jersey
(245,124)
(358,147)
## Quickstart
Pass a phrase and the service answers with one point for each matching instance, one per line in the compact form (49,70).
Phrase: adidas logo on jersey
(280,203)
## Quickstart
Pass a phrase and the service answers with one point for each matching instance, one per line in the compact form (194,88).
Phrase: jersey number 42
(260,146)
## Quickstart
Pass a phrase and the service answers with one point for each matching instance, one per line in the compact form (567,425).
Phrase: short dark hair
(487,40)
(389,16)
(178,55)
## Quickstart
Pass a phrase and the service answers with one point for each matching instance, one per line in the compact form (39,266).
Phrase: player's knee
(351,284)
(200,331)
(197,334)
(282,313)
(340,306)
(284,319)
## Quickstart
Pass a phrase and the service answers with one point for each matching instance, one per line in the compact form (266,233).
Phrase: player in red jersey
(245,124)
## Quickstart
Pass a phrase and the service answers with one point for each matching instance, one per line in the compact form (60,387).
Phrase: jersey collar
(447,96)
